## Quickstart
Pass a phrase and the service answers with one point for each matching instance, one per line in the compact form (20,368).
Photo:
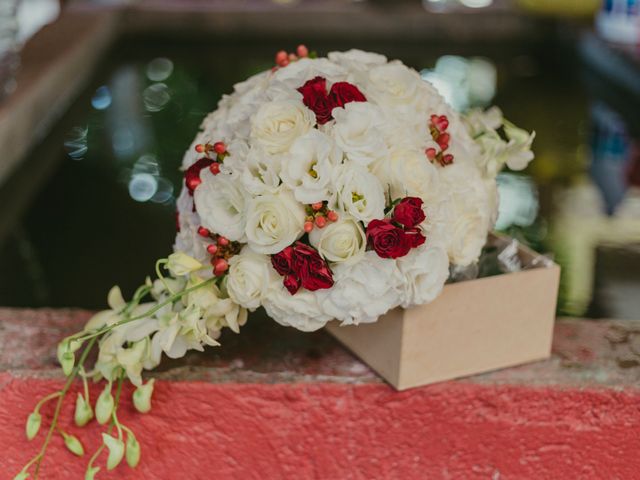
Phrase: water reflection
(102,98)
(76,142)
(156,97)
(159,69)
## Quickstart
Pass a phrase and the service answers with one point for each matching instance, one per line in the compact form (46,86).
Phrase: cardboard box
(474,326)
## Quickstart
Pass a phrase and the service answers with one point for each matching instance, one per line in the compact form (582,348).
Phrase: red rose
(192,175)
(314,96)
(345,92)
(415,238)
(387,240)
(409,212)
(292,283)
(311,268)
(283,261)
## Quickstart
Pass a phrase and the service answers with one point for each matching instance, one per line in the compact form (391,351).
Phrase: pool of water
(93,206)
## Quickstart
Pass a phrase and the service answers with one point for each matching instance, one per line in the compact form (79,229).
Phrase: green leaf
(73,444)
(83,413)
(21,476)
(33,425)
(104,405)
(133,451)
(116,450)
(142,397)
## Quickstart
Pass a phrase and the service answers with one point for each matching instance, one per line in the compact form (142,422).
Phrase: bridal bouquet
(324,188)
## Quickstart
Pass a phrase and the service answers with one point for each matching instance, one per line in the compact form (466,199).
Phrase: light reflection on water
(577,201)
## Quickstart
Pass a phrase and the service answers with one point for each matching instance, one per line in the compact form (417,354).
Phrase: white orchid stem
(56,414)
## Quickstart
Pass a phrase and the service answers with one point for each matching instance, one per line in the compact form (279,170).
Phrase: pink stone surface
(274,403)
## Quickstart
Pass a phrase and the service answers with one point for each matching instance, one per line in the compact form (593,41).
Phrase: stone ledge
(585,354)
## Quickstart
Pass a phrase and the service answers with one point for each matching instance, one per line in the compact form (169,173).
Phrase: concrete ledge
(276,403)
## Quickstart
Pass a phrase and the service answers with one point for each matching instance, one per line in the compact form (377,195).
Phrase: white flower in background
(274,221)
(221,203)
(276,125)
(251,277)
(426,270)
(358,192)
(363,290)
(358,131)
(341,241)
(478,121)
(300,311)
(518,152)
(309,166)
(187,238)
(260,173)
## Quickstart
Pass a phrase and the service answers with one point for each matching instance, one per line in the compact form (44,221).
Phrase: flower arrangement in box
(324,188)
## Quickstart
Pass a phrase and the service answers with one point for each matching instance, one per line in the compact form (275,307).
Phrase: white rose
(355,59)
(300,311)
(425,270)
(358,131)
(221,202)
(470,210)
(358,192)
(394,84)
(362,291)
(286,81)
(250,278)
(274,221)
(408,173)
(276,125)
(308,167)
(340,241)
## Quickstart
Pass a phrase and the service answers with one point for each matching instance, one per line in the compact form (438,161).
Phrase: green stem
(114,414)
(159,263)
(56,414)
(44,400)
(148,313)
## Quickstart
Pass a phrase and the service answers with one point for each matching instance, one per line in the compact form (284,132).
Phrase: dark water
(93,205)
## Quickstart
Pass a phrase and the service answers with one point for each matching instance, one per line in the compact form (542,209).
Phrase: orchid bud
(180,264)
(142,397)
(91,473)
(33,425)
(133,451)
(116,450)
(21,476)
(104,405)
(73,444)
(83,413)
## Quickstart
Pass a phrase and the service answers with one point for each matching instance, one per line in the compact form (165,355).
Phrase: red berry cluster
(221,250)
(283,58)
(219,148)
(318,214)
(438,127)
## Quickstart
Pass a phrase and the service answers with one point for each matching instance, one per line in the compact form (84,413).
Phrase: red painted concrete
(331,431)
(274,403)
